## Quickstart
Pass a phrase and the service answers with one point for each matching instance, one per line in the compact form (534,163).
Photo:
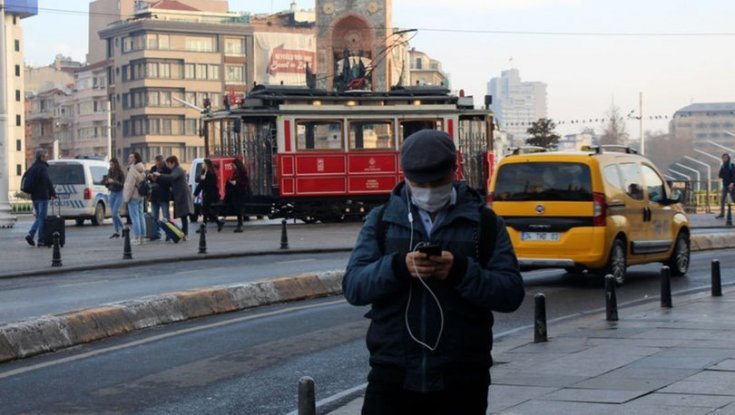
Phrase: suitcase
(172,231)
(54,223)
(150,231)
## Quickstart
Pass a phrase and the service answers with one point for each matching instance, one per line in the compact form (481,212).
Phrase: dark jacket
(183,204)
(468,297)
(160,191)
(208,187)
(236,195)
(118,180)
(43,189)
(727,174)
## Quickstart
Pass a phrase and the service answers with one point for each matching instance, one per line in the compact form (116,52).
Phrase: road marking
(70,359)
(295,261)
(82,283)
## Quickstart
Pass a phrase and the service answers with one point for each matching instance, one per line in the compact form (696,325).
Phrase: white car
(80,189)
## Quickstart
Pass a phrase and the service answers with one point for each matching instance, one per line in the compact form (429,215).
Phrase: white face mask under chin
(431,199)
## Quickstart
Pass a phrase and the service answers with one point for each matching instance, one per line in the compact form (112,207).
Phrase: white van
(80,189)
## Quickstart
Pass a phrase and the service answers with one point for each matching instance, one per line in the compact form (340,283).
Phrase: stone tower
(354,40)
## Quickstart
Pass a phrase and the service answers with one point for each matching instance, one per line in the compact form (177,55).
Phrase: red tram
(324,156)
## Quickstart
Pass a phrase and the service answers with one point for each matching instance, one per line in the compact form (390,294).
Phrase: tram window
(372,135)
(411,126)
(319,135)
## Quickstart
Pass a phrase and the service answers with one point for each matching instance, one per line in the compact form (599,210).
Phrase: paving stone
(631,408)
(727,410)
(595,361)
(539,407)
(535,379)
(593,395)
(561,345)
(707,383)
(671,333)
(637,342)
(622,384)
(726,365)
(501,397)
(682,399)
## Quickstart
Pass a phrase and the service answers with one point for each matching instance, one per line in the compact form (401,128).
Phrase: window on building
(15,20)
(17,120)
(199,44)
(17,45)
(18,170)
(214,72)
(234,73)
(18,145)
(165,98)
(109,48)
(17,70)
(17,95)
(419,63)
(189,71)
(153,100)
(190,126)
(164,70)
(201,71)
(234,47)
(164,42)
(151,70)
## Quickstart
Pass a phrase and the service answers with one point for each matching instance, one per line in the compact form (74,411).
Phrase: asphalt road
(250,362)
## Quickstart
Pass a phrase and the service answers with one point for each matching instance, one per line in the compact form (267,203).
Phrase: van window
(612,176)
(544,181)
(98,175)
(654,185)
(66,174)
(632,180)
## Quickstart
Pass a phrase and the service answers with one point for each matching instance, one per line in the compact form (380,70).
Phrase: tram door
(473,145)
(259,147)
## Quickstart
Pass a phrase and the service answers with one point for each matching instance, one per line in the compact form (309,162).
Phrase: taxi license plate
(540,236)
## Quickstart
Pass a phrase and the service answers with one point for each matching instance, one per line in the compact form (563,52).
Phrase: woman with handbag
(207,185)
(114,182)
(238,191)
(133,197)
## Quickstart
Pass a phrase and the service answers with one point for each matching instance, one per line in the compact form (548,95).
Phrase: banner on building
(282,57)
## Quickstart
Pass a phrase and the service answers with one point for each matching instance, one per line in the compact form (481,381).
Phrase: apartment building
(699,123)
(425,70)
(517,104)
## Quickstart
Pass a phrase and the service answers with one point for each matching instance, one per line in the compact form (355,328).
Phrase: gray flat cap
(428,155)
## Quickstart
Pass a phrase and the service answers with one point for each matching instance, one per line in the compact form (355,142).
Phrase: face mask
(431,199)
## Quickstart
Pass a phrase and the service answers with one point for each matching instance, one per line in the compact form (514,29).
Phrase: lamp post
(699,176)
(709,179)
(7,220)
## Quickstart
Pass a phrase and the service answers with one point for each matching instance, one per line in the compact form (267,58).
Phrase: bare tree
(613,131)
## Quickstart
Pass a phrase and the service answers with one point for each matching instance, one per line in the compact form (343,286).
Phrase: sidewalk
(652,361)
(90,247)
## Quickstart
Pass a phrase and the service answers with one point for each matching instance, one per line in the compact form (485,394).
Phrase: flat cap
(427,156)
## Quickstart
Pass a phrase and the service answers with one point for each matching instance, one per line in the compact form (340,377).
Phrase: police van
(79,185)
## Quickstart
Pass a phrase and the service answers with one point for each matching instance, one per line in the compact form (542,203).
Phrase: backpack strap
(487,235)
(380,229)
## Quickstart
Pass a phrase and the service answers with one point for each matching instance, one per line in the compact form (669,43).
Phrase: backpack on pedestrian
(28,182)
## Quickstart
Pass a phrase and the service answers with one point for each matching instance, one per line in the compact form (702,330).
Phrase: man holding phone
(424,264)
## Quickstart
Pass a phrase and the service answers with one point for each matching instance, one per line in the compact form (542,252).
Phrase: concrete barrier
(50,333)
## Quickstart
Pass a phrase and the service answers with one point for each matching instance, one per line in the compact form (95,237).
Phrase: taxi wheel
(617,263)
(99,214)
(679,261)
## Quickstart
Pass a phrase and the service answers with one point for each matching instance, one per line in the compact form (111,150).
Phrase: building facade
(426,71)
(12,142)
(517,104)
(50,122)
(89,114)
(702,122)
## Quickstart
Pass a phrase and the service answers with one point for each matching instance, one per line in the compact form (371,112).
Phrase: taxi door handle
(647,214)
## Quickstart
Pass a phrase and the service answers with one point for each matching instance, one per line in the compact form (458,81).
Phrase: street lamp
(699,176)
(709,179)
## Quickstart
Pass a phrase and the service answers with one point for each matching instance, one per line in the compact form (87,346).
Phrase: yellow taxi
(601,210)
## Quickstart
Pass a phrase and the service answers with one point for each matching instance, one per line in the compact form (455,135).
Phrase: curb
(50,333)
(150,261)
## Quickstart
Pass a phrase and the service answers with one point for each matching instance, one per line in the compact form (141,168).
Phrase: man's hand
(422,266)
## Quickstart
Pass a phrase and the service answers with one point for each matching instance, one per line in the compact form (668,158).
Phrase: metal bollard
(716,279)
(611,300)
(307,399)
(728,221)
(666,287)
(284,235)
(539,322)
(127,252)
(56,259)
(203,239)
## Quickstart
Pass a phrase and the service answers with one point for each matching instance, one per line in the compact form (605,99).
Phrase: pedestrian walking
(115,182)
(433,263)
(207,186)
(160,197)
(180,192)
(237,192)
(727,174)
(133,198)
(37,182)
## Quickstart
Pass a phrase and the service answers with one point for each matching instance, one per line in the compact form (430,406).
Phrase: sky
(592,54)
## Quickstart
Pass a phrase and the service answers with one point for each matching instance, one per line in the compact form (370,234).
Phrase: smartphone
(431,249)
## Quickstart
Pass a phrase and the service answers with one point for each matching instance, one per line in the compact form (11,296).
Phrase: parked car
(80,189)
(598,210)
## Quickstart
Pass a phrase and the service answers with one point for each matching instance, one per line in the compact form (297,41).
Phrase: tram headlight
(350,103)
(316,103)
(417,102)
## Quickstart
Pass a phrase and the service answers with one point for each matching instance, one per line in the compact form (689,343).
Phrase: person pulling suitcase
(37,182)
